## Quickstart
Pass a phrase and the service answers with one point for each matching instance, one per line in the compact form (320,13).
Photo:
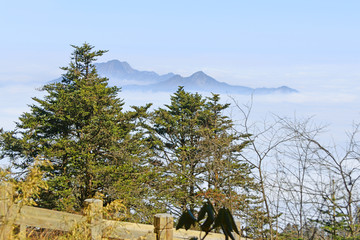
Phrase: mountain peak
(117,70)
(116,64)
(199,74)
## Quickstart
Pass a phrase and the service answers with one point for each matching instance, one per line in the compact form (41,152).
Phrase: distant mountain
(123,75)
(199,81)
(122,72)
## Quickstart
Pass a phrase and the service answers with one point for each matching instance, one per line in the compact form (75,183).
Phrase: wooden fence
(99,228)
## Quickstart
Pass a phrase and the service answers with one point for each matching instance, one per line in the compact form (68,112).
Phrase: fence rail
(27,216)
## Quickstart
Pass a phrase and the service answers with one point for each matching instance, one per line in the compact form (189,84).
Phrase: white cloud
(309,97)
(338,109)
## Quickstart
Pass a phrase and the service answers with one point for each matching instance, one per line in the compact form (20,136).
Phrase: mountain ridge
(130,79)
(115,69)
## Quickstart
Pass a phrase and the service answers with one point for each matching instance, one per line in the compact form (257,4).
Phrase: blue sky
(235,41)
(312,46)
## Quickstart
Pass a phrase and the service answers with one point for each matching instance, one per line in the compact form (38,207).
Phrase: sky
(312,46)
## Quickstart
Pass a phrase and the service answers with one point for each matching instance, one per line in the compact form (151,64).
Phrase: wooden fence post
(6,195)
(22,232)
(163,226)
(94,212)
(238,225)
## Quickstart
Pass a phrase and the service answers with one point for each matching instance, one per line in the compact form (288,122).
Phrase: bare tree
(265,138)
(340,192)
(309,186)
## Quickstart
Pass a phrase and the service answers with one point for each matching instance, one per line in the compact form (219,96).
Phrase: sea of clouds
(338,110)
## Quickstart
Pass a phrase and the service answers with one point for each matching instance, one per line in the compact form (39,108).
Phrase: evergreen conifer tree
(80,126)
(199,155)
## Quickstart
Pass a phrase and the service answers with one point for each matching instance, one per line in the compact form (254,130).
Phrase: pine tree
(333,219)
(80,126)
(178,148)
(228,175)
(199,155)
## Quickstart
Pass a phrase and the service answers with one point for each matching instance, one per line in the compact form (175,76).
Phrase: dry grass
(27,189)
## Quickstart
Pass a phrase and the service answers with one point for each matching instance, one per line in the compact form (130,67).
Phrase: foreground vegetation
(277,177)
